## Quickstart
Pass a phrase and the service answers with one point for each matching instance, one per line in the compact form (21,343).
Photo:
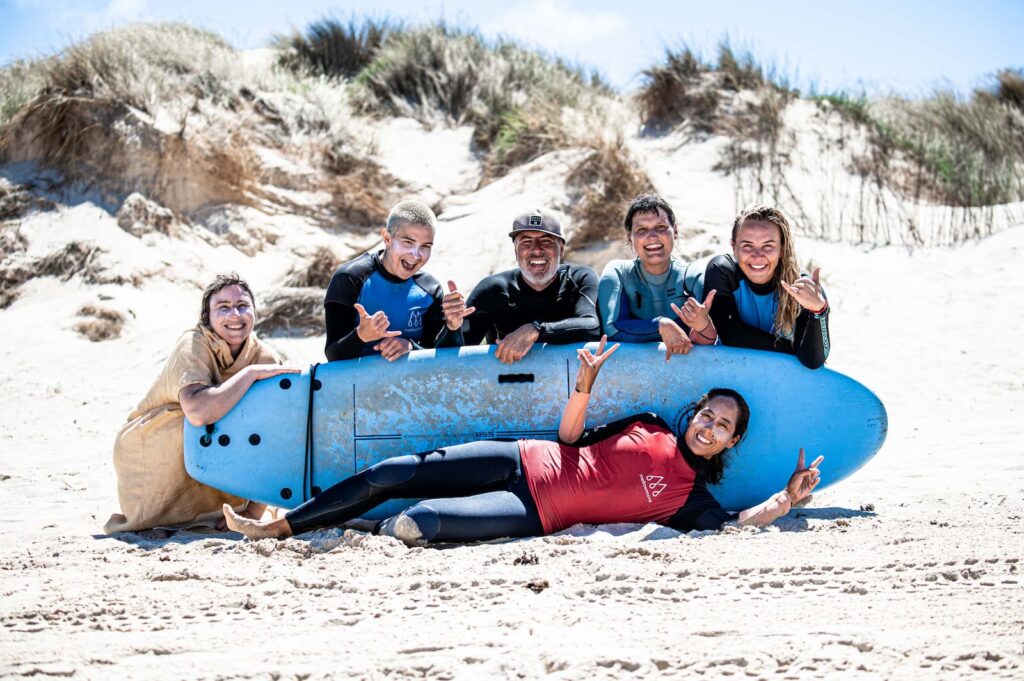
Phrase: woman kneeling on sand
(633,470)
(207,373)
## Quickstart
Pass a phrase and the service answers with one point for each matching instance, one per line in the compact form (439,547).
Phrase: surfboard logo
(415,318)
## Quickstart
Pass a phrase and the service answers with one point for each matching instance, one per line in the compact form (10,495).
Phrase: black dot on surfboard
(254,439)
(286,493)
(209,427)
(316,490)
(286,383)
(223,440)
(206,440)
(317,384)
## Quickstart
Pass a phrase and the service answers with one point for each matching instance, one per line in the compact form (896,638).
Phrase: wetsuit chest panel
(756,309)
(650,296)
(636,475)
(405,303)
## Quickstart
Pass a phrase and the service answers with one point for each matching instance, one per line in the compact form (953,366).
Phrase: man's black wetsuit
(566,310)
(485,490)
(413,306)
(744,315)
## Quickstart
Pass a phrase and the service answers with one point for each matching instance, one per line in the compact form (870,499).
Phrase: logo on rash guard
(653,485)
(415,318)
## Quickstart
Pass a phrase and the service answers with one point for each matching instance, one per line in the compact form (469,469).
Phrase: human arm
(811,342)
(697,317)
(574,415)
(801,483)
(474,325)
(203,404)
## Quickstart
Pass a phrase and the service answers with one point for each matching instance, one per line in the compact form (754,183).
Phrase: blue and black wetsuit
(413,306)
(632,301)
(744,315)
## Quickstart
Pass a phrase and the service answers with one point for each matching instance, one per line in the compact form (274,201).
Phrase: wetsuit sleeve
(731,329)
(812,339)
(618,322)
(340,316)
(598,433)
(433,320)
(475,326)
(584,325)
(700,512)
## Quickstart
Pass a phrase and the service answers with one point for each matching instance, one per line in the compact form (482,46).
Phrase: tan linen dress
(152,486)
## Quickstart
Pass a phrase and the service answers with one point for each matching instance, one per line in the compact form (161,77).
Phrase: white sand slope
(910,569)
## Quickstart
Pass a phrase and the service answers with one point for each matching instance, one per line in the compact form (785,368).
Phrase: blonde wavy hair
(788,270)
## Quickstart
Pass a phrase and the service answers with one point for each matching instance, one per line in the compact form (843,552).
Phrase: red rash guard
(631,471)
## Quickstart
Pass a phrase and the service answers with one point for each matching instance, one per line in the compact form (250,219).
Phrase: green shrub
(334,49)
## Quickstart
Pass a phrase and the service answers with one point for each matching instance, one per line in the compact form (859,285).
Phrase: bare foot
(257,529)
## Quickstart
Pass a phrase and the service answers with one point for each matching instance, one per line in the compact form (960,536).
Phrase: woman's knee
(414,526)
(392,472)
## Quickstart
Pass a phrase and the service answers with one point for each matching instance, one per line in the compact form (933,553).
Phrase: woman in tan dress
(206,374)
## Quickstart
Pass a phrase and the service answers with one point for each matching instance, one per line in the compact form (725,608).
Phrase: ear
(385,236)
(732,442)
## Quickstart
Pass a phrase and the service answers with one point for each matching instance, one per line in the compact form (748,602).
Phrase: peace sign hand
(453,306)
(696,315)
(373,327)
(804,480)
(590,364)
(807,291)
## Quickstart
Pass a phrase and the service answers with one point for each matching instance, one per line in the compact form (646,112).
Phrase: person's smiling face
(408,250)
(652,237)
(232,315)
(712,429)
(539,255)
(757,248)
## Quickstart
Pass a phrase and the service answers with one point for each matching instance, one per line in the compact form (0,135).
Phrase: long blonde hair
(788,269)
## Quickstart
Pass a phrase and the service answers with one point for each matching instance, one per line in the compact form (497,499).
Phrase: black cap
(537,220)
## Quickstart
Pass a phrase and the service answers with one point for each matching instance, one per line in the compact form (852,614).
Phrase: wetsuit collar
(758,289)
(378,264)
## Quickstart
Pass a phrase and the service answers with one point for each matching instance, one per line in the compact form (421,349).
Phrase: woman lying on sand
(763,301)
(634,470)
(209,370)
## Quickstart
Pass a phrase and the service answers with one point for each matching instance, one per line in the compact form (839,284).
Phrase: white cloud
(555,26)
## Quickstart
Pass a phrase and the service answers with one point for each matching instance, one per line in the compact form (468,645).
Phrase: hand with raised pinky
(453,306)
(373,327)
(696,315)
(807,291)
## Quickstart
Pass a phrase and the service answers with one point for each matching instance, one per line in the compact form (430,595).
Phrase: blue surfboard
(367,409)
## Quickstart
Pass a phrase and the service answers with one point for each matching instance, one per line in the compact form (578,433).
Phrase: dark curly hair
(647,203)
(715,467)
(219,284)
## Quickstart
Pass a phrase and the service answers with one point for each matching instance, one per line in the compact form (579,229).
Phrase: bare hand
(453,306)
(675,339)
(393,348)
(263,371)
(373,327)
(803,480)
(514,346)
(807,291)
(590,364)
(696,315)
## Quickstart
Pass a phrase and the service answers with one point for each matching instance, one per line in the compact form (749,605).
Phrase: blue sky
(908,46)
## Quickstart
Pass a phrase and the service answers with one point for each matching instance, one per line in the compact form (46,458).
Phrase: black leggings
(471,492)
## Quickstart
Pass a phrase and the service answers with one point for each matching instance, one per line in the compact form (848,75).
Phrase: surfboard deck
(368,409)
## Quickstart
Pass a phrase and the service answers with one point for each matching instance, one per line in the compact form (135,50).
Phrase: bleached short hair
(410,213)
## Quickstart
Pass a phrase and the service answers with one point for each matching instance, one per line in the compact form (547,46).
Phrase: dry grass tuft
(292,312)
(1010,87)
(513,97)
(685,88)
(16,201)
(362,193)
(105,324)
(332,48)
(601,187)
(322,264)
(76,258)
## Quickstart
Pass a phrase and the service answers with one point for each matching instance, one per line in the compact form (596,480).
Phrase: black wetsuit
(566,309)
(413,306)
(480,490)
(744,315)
